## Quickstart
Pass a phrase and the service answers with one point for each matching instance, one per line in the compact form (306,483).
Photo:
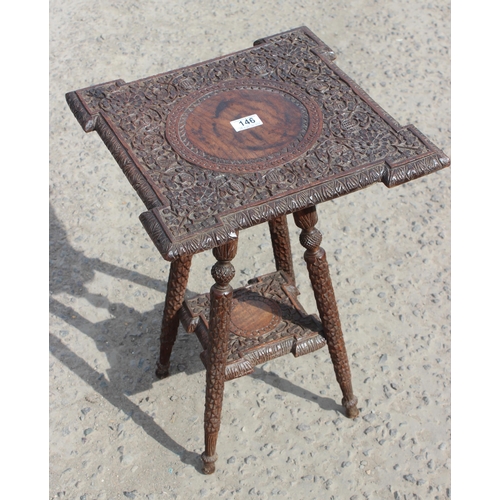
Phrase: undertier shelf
(267,321)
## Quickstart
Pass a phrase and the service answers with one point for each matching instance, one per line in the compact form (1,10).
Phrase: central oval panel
(199,127)
(208,127)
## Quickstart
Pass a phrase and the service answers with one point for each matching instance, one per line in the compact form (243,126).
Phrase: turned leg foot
(351,406)
(162,371)
(208,463)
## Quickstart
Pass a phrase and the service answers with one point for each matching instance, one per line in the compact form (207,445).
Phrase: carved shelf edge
(282,327)
(228,224)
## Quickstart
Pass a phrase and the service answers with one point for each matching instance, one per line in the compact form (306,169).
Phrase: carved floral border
(331,168)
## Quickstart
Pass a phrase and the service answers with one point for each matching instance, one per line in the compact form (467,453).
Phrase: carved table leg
(282,250)
(221,295)
(317,266)
(176,288)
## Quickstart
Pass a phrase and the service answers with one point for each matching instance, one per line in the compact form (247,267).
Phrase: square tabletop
(232,142)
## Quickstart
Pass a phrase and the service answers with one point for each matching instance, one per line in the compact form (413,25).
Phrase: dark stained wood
(319,274)
(176,289)
(199,126)
(267,321)
(208,126)
(252,316)
(170,135)
(280,239)
(202,181)
(221,295)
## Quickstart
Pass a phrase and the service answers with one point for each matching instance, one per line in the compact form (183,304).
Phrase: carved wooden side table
(243,139)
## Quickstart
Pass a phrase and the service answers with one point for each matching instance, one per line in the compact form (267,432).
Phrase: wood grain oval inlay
(253,315)
(199,127)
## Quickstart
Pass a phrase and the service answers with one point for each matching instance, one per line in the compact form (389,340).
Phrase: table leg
(282,250)
(176,288)
(317,266)
(221,295)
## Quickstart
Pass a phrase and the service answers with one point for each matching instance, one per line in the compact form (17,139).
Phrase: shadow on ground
(129,339)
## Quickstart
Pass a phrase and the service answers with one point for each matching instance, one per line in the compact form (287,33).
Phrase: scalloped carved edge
(266,352)
(170,250)
(245,366)
(239,369)
(305,346)
(90,122)
(395,176)
(390,175)
(129,167)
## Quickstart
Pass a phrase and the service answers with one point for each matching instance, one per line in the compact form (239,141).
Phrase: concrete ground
(117,432)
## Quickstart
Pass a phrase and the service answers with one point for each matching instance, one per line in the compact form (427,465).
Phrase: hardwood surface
(267,321)
(322,137)
(237,141)
(199,127)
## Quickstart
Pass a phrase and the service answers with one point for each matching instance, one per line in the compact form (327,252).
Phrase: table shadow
(120,401)
(128,339)
(284,385)
(124,338)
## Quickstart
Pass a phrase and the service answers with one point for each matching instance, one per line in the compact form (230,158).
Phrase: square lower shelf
(267,321)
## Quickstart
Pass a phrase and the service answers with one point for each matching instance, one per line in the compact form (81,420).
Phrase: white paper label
(246,122)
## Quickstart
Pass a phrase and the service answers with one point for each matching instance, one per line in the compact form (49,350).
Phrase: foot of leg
(208,463)
(351,407)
